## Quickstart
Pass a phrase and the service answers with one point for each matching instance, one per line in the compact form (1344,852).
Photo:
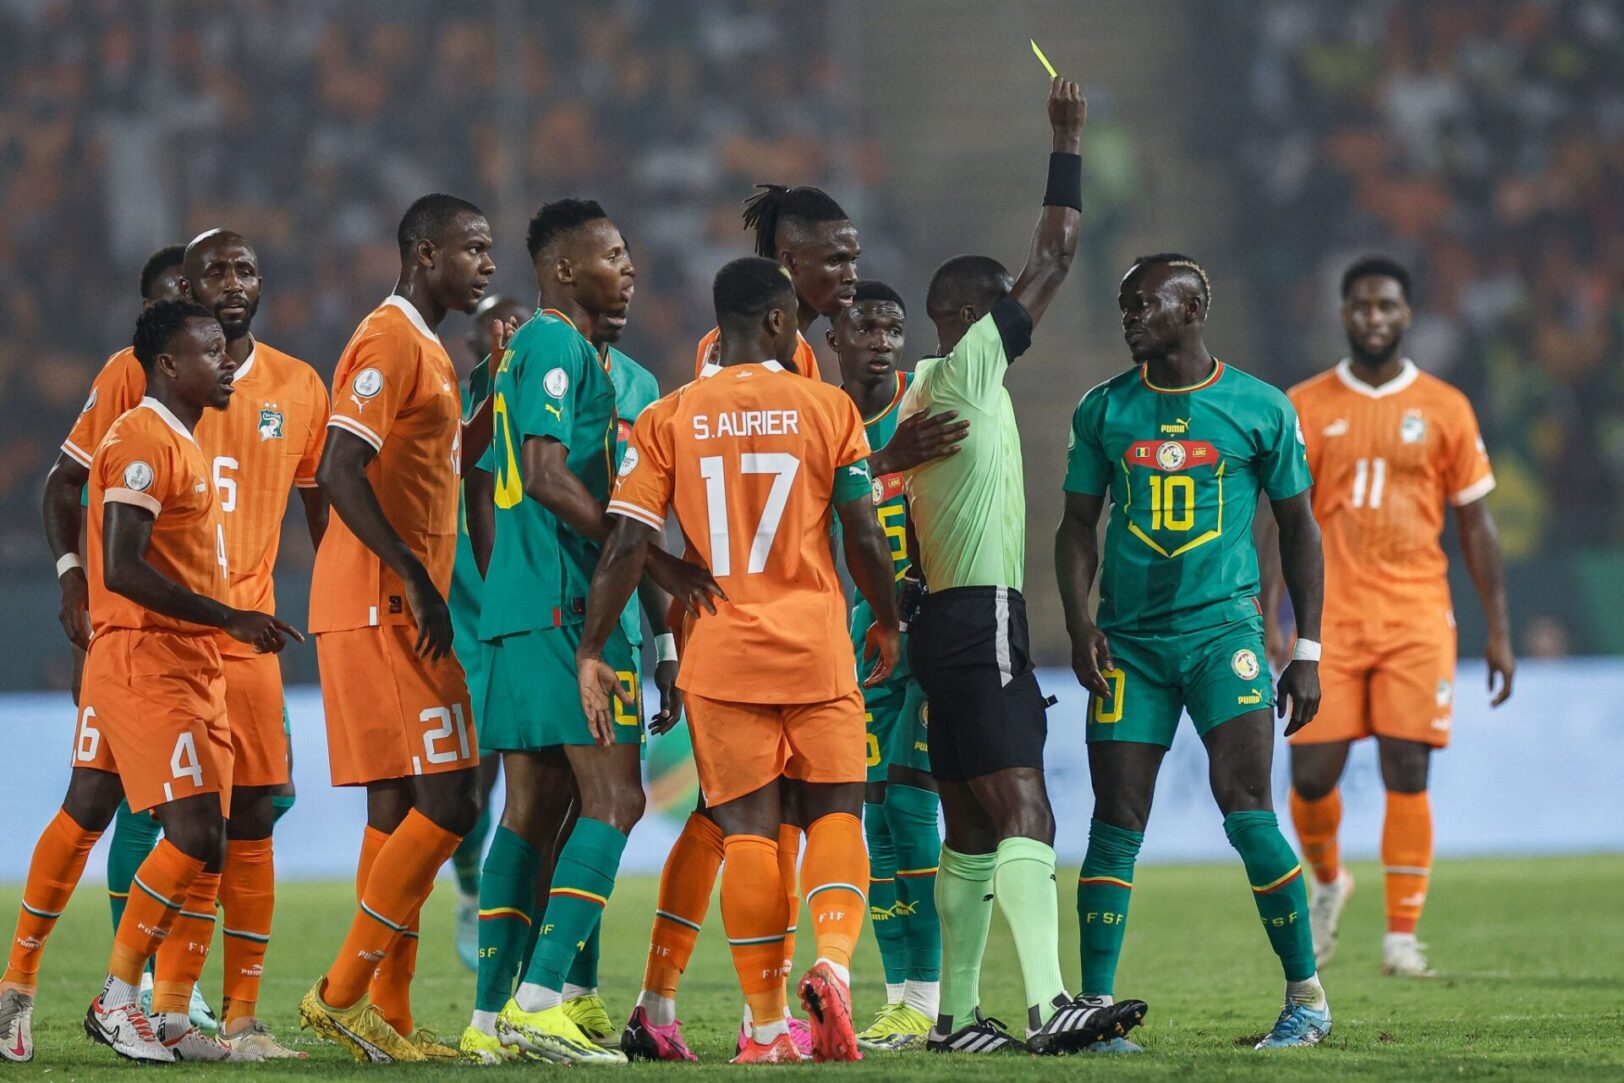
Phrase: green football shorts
(1216,674)
(532,700)
(895,715)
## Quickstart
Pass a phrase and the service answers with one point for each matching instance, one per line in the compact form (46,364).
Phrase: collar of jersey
(168,416)
(1212,378)
(902,385)
(247,362)
(712,368)
(1407,375)
(413,315)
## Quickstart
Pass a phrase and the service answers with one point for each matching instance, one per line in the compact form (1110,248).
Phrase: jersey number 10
(783,467)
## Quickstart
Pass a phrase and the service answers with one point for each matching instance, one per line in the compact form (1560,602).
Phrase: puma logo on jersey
(555,411)
(1177,427)
(1339,427)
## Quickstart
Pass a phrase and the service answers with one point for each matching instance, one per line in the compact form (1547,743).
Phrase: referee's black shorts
(971,652)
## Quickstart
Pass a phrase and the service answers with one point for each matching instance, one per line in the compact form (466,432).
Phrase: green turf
(1532,953)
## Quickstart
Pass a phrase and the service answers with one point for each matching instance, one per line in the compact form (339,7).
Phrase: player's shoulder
(636,375)
(122,363)
(1124,383)
(547,339)
(1322,385)
(287,369)
(1440,392)
(1242,386)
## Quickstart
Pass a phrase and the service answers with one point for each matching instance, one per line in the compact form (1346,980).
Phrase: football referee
(968,642)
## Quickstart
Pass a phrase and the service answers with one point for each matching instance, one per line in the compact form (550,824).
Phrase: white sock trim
(537,998)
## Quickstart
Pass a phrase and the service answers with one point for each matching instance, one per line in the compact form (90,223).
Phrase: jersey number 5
(783,467)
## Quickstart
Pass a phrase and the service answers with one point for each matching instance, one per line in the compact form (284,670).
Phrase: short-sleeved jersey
(117,388)
(1386,462)
(748,456)
(806,361)
(396,389)
(467,587)
(635,390)
(150,460)
(1183,468)
(969,509)
(550,383)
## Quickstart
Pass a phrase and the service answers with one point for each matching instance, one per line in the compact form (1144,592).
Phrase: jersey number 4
(783,467)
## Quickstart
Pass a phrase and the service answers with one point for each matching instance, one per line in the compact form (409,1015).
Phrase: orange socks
(372,841)
(836,863)
(753,913)
(401,877)
(789,857)
(161,885)
(184,951)
(59,859)
(392,982)
(1317,823)
(686,884)
(1407,855)
(248,897)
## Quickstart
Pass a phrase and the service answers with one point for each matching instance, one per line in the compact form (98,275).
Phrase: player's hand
(1068,112)
(919,439)
(886,645)
(1502,664)
(432,615)
(1276,645)
(1090,658)
(501,334)
(265,633)
(75,611)
(1298,692)
(670,713)
(598,682)
(690,585)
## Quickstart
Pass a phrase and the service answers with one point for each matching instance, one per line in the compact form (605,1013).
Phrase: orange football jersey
(747,456)
(117,388)
(806,362)
(1386,461)
(150,460)
(395,388)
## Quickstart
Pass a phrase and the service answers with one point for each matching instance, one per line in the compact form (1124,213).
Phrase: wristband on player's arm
(1065,181)
(1306,650)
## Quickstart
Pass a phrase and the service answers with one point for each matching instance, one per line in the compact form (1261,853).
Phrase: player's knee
(1034,822)
(202,838)
(627,808)
(1404,766)
(1311,785)
(1242,795)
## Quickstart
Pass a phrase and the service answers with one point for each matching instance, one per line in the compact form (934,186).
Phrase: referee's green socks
(882,900)
(1023,884)
(911,814)
(964,902)
(583,879)
(1277,888)
(507,903)
(1103,890)
(134,836)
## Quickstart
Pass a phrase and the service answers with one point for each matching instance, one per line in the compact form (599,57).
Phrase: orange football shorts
(254,707)
(1386,679)
(740,747)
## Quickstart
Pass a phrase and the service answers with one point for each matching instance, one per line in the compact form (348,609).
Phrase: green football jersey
(466,585)
(1183,468)
(550,383)
(892,508)
(635,388)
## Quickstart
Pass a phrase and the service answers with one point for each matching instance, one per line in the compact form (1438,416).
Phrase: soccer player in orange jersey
(152,723)
(752,459)
(1390,447)
(396,699)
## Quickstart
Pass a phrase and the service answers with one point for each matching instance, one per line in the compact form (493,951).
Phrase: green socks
(134,836)
(911,814)
(1023,883)
(964,902)
(466,857)
(882,895)
(584,970)
(582,882)
(507,901)
(1277,888)
(1103,891)
(281,805)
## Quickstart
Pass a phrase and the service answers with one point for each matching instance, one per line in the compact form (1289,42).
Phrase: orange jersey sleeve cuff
(130,496)
(636,511)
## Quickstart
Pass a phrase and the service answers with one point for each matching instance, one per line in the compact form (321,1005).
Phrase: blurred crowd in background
(1481,143)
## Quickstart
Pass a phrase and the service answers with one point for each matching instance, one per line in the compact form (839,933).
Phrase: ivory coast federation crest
(270,422)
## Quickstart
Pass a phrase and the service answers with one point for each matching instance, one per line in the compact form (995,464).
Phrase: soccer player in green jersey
(1183,445)
(968,644)
(551,457)
(467,584)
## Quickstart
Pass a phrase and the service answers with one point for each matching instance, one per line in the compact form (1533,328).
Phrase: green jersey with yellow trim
(1183,468)
(891,505)
(550,384)
(635,389)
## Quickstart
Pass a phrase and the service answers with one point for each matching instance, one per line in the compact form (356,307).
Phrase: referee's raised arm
(1054,244)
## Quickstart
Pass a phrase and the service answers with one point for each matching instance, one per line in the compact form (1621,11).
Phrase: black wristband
(1065,181)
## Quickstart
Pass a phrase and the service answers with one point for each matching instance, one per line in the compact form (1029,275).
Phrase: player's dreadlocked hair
(159,323)
(428,217)
(557,218)
(872,289)
(170,255)
(774,205)
(1183,263)
(1376,266)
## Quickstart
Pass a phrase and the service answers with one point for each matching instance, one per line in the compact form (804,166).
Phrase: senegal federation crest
(1244,664)
(1170,455)
(270,423)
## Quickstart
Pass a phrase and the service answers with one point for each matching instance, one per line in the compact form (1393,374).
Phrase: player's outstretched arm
(479,505)
(343,479)
(625,553)
(1054,244)
(917,440)
(126,533)
(1076,563)
(64,518)
(868,558)
(1480,542)
(1303,566)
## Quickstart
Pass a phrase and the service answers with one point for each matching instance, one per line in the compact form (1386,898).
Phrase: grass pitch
(1531,954)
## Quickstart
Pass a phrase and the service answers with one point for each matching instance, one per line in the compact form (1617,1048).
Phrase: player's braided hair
(1183,263)
(775,204)
(158,325)
(170,255)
